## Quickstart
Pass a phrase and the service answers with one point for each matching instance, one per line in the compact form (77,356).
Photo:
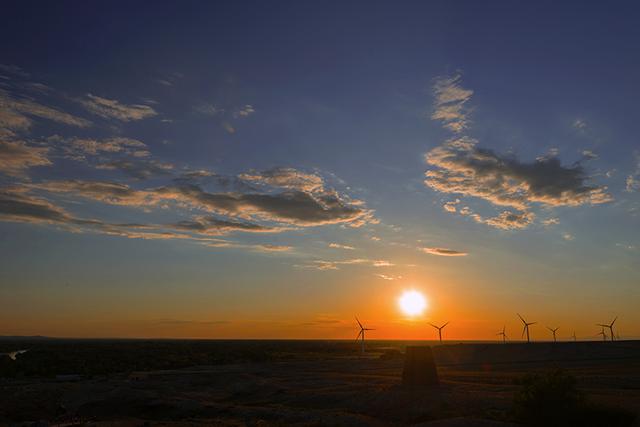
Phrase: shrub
(553,399)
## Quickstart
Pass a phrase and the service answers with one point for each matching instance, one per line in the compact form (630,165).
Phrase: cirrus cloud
(443,252)
(113,109)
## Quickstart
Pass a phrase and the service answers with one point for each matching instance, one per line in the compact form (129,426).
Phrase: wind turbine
(574,336)
(504,335)
(603,333)
(526,327)
(553,331)
(362,329)
(610,326)
(439,328)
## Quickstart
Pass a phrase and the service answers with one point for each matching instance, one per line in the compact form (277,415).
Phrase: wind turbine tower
(504,335)
(603,333)
(610,326)
(553,331)
(526,327)
(439,328)
(361,333)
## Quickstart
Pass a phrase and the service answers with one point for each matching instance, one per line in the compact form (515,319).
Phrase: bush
(553,399)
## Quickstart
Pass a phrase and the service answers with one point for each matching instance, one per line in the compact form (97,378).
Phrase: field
(307,383)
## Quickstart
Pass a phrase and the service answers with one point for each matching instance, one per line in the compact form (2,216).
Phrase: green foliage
(553,399)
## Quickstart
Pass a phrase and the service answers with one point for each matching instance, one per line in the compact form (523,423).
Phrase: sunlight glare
(412,303)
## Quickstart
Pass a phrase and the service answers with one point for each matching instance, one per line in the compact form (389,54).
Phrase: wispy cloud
(335,265)
(443,252)
(113,109)
(16,114)
(245,111)
(388,277)
(139,168)
(339,246)
(633,179)
(16,157)
(286,178)
(450,103)
(78,148)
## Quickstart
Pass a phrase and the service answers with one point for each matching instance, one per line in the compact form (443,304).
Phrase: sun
(412,303)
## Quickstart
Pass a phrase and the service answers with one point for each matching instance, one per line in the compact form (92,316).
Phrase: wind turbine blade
(532,323)
(614,320)
(358,337)
(444,325)
(434,325)
(524,330)
(359,324)
(523,321)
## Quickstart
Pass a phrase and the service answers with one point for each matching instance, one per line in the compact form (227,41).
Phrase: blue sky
(259,170)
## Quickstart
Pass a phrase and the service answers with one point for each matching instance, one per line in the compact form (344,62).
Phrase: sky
(272,170)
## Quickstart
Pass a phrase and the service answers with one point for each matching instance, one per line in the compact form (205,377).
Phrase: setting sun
(412,303)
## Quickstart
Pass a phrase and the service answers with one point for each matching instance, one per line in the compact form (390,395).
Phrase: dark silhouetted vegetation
(48,358)
(553,399)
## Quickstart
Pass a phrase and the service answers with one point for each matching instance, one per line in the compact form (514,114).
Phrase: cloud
(217,226)
(78,147)
(443,252)
(451,206)
(579,124)
(507,220)
(103,191)
(112,109)
(292,207)
(335,265)
(633,180)
(568,236)
(16,157)
(550,221)
(286,178)
(15,114)
(461,167)
(222,212)
(272,248)
(339,246)
(209,110)
(388,277)
(449,104)
(17,206)
(245,111)
(139,169)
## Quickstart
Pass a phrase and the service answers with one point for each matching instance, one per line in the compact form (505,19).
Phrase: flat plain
(305,383)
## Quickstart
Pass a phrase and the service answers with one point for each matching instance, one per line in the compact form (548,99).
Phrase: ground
(339,389)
